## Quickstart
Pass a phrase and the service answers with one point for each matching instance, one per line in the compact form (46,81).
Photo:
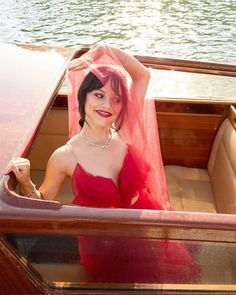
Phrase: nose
(107,102)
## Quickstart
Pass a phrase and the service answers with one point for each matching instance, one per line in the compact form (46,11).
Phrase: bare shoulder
(59,159)
(60,153)
(66,156)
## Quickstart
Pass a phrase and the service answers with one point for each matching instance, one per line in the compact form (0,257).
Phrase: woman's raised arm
(138,72)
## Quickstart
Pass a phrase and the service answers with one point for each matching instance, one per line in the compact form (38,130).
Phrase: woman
(114,160)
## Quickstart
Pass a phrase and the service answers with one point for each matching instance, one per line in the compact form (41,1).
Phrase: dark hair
(91,82)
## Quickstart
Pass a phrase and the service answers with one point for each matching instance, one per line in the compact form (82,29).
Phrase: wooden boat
(195,103)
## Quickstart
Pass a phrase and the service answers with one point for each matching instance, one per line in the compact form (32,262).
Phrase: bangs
(118,87)
(121,91)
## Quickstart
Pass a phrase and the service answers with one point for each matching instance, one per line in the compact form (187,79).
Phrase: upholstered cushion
(189,189)
(222,168)
(212,190)
(53,134)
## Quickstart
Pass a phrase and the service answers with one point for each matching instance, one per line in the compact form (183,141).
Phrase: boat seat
(212,189)
(53,134)
(190,189)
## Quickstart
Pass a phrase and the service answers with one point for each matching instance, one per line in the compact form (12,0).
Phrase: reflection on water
(194,29)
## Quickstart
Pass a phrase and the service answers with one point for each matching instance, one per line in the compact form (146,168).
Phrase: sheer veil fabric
(151,261)
(139,128)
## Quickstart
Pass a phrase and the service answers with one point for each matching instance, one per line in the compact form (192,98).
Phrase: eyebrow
(103,91)
(99,90)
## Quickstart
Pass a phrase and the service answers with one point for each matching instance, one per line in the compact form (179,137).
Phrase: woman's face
(102,106)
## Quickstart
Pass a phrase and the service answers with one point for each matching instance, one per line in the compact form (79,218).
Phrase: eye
(99,95)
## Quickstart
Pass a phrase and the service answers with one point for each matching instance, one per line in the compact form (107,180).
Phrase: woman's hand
(84,61)
(21,168)
(79,64)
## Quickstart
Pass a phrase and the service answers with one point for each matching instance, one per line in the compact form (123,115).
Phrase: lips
(103,114)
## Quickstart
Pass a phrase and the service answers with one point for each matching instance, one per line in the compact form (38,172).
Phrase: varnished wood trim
(10,197)
(136,223)
(232,116)
(111,228)
(70,220)
(143,287)
(194,100)
(186,138)
(191,108)
(185,63)
(191,70)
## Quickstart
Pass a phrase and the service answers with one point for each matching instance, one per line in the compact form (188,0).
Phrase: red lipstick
(103,113)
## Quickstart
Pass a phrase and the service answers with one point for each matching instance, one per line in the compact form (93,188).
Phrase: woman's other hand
(21,168)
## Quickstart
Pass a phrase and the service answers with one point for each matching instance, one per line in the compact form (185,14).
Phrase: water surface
(193,29)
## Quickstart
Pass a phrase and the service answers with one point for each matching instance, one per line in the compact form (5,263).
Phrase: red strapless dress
(127,260)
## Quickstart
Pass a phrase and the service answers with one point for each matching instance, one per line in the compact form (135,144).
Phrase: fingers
(20,167)
(79,64)
(17,171)
(18,162)
(87,59)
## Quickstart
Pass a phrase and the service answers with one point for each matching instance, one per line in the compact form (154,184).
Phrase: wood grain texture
(187,132)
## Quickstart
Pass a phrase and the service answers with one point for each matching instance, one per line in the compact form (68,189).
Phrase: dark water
(193,29)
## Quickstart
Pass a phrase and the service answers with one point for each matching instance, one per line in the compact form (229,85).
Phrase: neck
(96,135)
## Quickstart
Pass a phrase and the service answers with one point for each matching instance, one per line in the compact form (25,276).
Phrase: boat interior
(198,148)
(198,140)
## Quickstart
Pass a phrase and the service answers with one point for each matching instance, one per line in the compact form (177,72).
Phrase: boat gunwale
(74,220)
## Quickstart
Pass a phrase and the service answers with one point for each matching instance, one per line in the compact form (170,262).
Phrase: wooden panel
(192,108)
(186,139)
(232,116)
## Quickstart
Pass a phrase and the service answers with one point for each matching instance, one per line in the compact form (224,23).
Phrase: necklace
(99,145)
